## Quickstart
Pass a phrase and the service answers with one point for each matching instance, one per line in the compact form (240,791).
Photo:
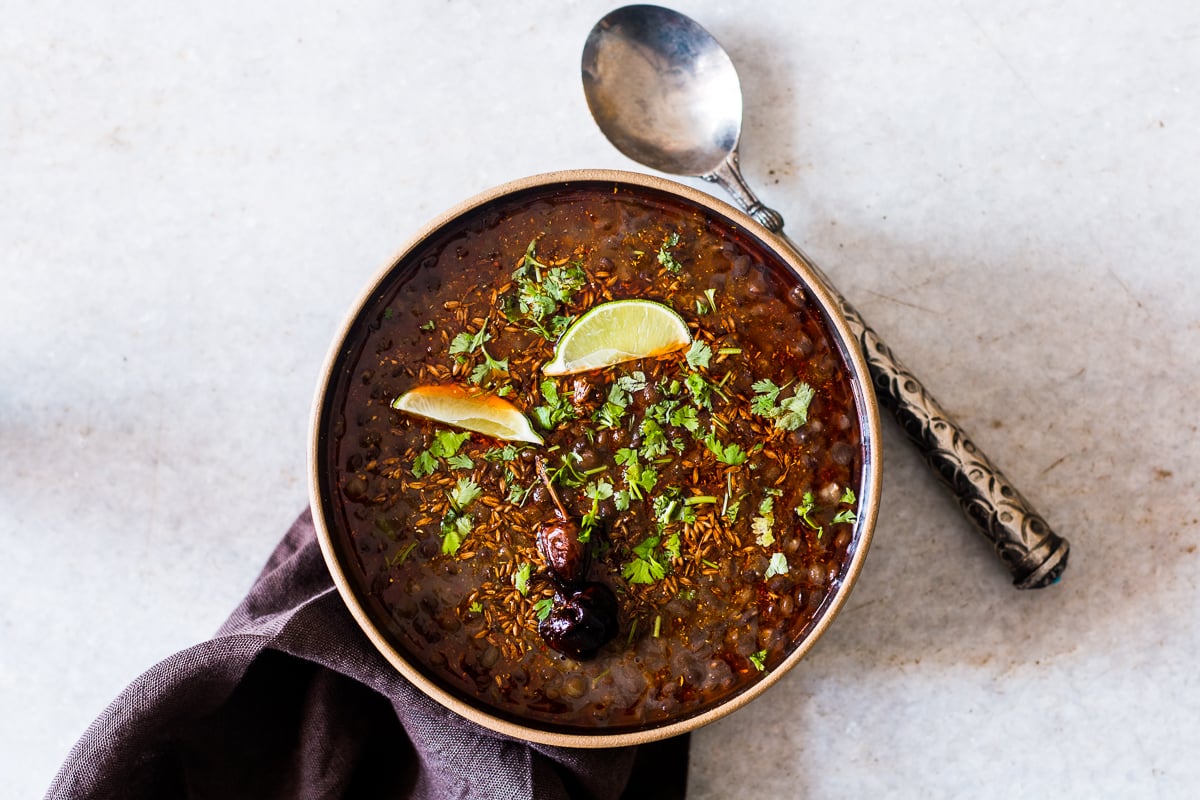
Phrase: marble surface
(194,194)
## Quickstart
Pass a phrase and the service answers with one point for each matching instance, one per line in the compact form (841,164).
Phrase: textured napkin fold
(290,700)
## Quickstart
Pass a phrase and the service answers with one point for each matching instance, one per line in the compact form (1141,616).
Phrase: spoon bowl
(680,84)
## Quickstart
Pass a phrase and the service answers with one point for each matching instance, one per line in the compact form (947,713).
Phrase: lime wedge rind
(616,332)
(488,414)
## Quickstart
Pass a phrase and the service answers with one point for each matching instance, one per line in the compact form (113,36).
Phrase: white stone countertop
(194,194)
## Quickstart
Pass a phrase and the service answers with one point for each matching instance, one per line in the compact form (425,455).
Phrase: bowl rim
(868,496)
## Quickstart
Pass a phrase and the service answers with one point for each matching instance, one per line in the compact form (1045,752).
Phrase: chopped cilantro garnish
(846,514)
(731,454)
(543,608)
(520,578)
(666,257)
(634,382)
(789,413)
(645,567)
(476,607)
(701,390)
(541,290)
(654,439)
(424,464)
(759,660)
(467,342)
(446,443)
(762,525)
(597,491)
(804,511)
(456,525)
(488,368)
(502,453)
(465,492)
(460,461)
(671,547)
(699,354)
(556,409)
(609,415)
(668,508)
(731,507)
(566,474)
(453,532)
(428,326)
(685,417)
(777,566)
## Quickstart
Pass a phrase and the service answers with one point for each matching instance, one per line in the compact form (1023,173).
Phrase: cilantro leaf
(765,392)
(804,511)
(488,368)
(761,528)
(685,417)
(599,490)
(777,566)
(609,415)
(645,567)
(795,408)
(699,354)
(556,409)
(759,660)
(520,578)
(541,290)
(701,390)
(634,382)
(789,413)
(464,493)
(460,461)
(424,464)
(732,454)
(454,530)
(502,453)
(666,257)
(543,608)
(457,525)
(654,439)
(671,547)
(467,342)
(446,443)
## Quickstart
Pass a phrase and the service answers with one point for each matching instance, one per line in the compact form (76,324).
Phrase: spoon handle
(1033,554)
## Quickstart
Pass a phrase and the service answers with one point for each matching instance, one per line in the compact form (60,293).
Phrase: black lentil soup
(716,484)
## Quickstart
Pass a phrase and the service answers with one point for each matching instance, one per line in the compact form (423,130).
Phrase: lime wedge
(472,410)
(621,330)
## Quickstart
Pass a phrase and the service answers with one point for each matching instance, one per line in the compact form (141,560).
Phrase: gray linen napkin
(290,700)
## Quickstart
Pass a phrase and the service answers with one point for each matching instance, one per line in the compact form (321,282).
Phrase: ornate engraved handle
(1033,553)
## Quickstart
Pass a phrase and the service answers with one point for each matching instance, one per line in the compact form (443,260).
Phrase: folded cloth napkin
(290,700)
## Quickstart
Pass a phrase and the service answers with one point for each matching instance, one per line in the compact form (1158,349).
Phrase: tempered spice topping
(715,485)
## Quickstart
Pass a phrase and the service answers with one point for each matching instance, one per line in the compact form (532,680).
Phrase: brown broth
(714,623)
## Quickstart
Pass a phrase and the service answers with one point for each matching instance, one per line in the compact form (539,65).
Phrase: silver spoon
(667,95)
